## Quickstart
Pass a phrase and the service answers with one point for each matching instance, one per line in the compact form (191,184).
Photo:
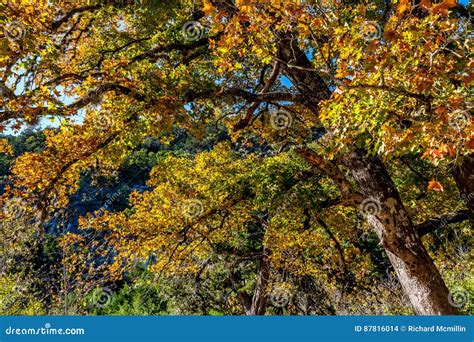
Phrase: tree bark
(414,267)
(387,216)
(257,303)
(463,174)
(260,295)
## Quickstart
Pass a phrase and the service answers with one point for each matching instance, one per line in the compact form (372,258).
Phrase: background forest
(236,157)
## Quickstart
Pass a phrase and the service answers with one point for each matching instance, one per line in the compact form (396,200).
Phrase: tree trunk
(260,295)
(386,214)
(257,303)
(415,269)
(463,174)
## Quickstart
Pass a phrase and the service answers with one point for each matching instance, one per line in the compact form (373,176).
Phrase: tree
(348,87)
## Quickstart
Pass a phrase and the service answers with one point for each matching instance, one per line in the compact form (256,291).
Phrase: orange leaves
(435,186)
(423,81)
(435,8)
(403,6)
(436,154)
(444,6)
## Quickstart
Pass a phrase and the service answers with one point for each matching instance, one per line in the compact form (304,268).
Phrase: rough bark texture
(257,303)
(464,176)
(386,214)
(415,269)
(259,300)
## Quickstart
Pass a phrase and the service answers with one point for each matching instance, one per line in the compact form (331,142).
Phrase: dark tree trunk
(464,176)
(415,269)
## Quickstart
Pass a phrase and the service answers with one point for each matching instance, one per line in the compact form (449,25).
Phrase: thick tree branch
(440,221)
(348,194)
(245,121)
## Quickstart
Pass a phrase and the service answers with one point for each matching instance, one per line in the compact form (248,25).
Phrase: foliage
(178,151)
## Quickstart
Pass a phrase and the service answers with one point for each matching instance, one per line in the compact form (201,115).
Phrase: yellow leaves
(5,147)
(244,6)
(304,29)
(403,6)
(208,8)
(435,186)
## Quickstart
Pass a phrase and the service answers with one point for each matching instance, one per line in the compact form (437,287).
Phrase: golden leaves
(5,147)
(403,6)
(208,8)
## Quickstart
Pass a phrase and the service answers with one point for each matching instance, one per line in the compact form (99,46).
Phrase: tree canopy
(301,157)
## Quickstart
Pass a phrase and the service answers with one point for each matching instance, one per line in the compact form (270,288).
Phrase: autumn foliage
(298,157)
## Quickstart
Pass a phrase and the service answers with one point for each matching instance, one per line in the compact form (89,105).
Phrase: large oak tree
(348,87)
